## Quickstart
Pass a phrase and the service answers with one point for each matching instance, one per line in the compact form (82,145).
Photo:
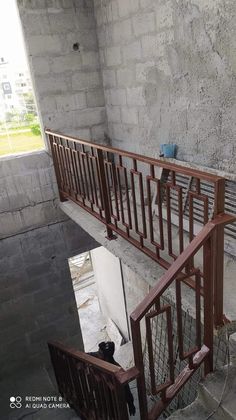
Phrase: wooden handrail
(93,387)
(151,161)
(123,376)
(112,185)
(165,281)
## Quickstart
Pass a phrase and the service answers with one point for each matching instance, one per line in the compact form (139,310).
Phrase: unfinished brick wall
(62,48)
(37,301)
(169,76)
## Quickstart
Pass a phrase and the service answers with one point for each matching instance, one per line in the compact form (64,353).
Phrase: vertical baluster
(208,302)
(138,359)
(91,191)
(94,185)
(121,405)
(198,308)
(150,178)
(128,225)
(115,185)
(76,170)
(63,154)
(104,190)
(180,211)
(82,181)
(107,392)
(86,186)
(170,344)
(143,234)
(100,204)
(78,401)
(61,165)
(169,228)
(92,389)
(219,206)
(69,167)
(179,317)
(56,163)
(150,354)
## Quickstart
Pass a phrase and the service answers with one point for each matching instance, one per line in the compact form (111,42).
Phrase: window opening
(19,121)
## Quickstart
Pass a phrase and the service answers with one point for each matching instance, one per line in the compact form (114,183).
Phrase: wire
(226,379)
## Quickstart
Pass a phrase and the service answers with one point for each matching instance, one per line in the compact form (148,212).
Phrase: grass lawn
(20,142)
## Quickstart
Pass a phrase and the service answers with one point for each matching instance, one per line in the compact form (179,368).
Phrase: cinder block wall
(37,301)
(169,76)
(62,48)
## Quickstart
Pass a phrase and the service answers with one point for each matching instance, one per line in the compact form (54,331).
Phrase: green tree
(35,129)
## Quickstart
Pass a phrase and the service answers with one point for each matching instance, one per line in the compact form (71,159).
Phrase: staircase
(216,398)
(123,190)
(216,394)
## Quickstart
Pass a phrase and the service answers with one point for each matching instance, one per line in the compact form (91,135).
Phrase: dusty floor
(93,326)
(92,321)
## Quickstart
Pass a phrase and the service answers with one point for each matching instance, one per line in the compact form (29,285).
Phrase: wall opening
(92,321)
(19,121)
(100,298)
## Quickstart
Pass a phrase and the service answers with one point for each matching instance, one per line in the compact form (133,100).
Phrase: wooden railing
(94,388)
(138,197)
(153,307)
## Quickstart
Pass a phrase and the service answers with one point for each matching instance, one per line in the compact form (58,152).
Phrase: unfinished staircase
(216,398)
(216,393)
(138,198)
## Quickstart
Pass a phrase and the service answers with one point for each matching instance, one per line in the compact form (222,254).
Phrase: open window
(19,121)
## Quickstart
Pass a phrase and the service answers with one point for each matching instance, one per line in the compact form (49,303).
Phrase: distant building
(15,90)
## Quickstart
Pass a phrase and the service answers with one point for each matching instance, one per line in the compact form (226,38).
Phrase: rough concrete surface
(163,70)
(195,411)
(29,194)
(216,398)
(220,387)
(63,55)
(144,72)
(169,76)
(92,321)
(36,239)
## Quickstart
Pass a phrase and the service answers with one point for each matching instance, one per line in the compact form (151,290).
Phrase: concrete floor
(92,321)
(93,326)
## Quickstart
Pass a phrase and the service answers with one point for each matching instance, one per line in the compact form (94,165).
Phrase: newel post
(208,273)
(218,256)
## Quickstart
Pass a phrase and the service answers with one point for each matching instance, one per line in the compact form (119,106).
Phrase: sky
(11,38)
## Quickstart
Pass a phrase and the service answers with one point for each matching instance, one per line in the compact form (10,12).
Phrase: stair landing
(216,396)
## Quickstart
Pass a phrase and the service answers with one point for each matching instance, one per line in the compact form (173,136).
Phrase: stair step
(210,392)
(194,411)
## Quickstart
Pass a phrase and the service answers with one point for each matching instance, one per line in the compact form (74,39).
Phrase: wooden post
(138,361)
(208,262)
(218,267)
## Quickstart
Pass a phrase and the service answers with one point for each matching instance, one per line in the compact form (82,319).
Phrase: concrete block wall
(169,76)
(37,301)
(29,195)
(36,294)
(62,48)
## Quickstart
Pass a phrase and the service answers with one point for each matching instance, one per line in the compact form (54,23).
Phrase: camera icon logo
(15,402)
